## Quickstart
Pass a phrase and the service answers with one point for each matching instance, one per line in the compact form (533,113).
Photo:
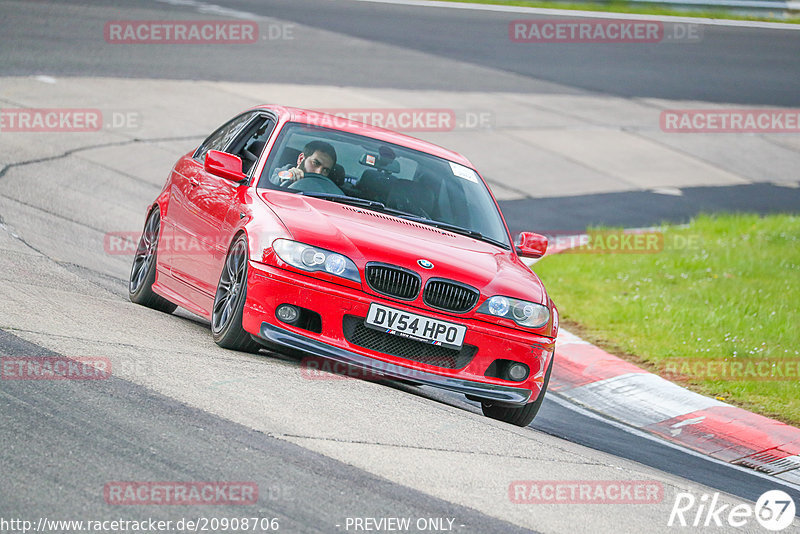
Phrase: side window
(250,144)
(281,154)
(220,139)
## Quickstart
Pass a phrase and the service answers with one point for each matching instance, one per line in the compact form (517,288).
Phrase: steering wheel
(316,183)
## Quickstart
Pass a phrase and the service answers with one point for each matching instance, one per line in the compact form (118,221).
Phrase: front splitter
(492,392)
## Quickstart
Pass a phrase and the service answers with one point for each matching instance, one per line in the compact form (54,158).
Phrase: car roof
(306,116)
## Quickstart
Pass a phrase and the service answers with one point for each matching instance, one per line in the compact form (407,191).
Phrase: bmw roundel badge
(425,264)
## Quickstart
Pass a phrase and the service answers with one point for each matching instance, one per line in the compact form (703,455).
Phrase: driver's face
(317,163)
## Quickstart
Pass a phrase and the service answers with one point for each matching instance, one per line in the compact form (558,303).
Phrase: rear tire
(143,270)
(520,416)
(226,315)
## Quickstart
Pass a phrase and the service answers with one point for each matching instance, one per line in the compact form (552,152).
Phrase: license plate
(416,327)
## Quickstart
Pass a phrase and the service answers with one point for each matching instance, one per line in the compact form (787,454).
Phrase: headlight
(315,259)
(522,312)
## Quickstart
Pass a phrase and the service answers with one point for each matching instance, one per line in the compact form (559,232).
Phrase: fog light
(517,372)
(287,313)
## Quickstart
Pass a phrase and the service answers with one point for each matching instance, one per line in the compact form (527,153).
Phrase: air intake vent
(393,281)
(450,296)
(356,333)
(400,220)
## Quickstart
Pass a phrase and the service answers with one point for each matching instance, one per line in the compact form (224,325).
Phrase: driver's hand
(291,175)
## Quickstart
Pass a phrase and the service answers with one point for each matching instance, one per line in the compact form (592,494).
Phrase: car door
(214,207)
(188,242)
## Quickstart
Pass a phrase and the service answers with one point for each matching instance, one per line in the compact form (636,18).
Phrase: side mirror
(531,245)
(224,165)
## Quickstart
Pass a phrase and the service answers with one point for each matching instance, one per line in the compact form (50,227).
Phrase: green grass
(616,6)
(725,288)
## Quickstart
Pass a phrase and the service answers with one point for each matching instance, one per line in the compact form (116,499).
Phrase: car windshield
(385,177)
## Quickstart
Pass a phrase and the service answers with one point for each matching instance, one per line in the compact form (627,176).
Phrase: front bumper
(269,286)
(496,392)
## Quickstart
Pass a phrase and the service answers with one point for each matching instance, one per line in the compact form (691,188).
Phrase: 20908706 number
(234,524)
(413,326)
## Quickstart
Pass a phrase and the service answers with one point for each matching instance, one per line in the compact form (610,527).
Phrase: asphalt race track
(567,135)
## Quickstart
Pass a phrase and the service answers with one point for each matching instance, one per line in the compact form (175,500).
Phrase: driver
(317,157)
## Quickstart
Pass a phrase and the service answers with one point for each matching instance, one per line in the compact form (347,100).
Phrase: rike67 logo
(774,511)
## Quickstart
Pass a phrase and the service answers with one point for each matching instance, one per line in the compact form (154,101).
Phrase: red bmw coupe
(293,229)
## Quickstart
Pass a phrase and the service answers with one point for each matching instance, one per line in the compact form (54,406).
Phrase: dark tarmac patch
(639,209)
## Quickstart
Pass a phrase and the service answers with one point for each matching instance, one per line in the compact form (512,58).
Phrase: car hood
(365,236)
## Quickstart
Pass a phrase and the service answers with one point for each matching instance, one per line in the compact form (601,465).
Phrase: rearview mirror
(531,245)
(224,165)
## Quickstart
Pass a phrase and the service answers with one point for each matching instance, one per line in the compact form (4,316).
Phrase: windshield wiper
(449,227)
(355,201)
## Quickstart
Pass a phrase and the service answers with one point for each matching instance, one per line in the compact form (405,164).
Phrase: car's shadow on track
(312,364)
(196,319)
(340,371)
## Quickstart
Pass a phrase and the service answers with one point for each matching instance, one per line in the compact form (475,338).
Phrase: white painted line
(212,9)
(45,79)
(639,399)
(785,465)
(767,461)
(793,461)
(671,191)
(592,14)
(791,477)
(677,428)
(568,338)
(790,482)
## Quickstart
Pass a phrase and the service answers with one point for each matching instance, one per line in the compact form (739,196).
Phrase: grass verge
(715,309)
(616,6)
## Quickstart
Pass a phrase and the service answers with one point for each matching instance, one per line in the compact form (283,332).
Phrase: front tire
(226,315)
(520,416)
(143,270)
